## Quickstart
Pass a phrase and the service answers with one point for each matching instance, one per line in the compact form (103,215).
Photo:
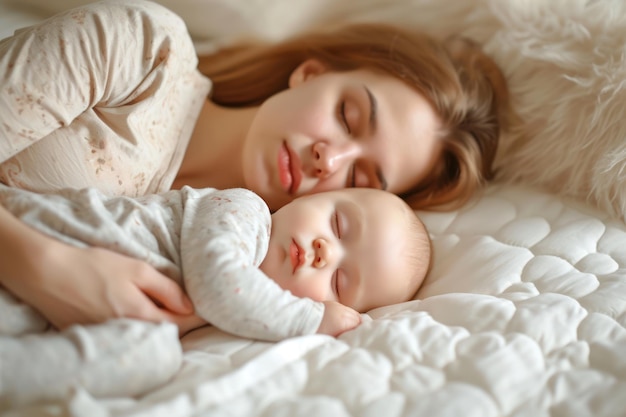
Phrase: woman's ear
(305,71)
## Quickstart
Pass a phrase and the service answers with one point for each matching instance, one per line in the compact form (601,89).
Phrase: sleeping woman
(111,95)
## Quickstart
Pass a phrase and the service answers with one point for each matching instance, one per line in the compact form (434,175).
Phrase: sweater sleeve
(52,72)
(224,238)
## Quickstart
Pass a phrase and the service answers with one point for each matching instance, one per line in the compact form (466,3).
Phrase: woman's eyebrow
(373,124)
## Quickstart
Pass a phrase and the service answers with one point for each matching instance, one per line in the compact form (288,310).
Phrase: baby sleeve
(224,238)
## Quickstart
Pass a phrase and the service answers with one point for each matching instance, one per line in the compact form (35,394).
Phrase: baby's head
(363,247)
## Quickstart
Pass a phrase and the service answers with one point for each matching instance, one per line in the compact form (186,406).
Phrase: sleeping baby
(310,267)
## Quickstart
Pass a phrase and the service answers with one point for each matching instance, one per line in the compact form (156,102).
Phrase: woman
(108,95)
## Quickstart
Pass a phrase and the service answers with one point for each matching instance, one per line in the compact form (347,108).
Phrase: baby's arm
(223,240)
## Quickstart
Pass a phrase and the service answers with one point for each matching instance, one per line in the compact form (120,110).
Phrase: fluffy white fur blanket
(565,61)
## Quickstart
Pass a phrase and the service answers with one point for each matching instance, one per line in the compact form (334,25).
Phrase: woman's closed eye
(343,118)
(352,177)
(349,116)
(358,178)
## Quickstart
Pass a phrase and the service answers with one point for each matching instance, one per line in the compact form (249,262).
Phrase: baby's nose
(321,252)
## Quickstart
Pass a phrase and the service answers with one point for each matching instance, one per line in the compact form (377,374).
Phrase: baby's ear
(308,69)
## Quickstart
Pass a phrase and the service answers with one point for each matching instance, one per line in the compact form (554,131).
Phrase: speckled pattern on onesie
(212,241)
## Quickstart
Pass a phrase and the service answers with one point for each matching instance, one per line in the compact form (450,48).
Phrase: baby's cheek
(271,263)
(310,289)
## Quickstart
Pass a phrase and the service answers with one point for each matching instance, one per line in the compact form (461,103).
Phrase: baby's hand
(338,318)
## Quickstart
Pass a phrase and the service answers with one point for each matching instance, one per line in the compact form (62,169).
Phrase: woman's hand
(338,318)
(84,286)
(71,285)
(93,285)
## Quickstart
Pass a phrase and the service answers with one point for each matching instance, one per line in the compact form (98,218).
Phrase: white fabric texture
(524,312)
(105,94)
(118,358)
(223,236)
(215,239)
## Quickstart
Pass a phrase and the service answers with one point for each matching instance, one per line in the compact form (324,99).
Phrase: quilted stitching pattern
(524,314)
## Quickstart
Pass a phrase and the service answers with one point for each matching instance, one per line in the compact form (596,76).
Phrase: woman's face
(332,130)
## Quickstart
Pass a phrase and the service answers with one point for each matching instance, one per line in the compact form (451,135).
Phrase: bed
(524,311)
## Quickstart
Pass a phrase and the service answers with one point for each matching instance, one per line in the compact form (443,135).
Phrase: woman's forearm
(21,249)
(72,285)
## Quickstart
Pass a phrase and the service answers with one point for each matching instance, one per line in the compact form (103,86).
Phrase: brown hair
(464,86)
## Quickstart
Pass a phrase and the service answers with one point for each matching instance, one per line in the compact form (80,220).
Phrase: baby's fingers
(351,319)
(338,319)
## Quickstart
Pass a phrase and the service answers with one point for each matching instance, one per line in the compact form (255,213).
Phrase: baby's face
(345,246)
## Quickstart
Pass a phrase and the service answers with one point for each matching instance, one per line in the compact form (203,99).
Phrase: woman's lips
(289,170)
(296,254)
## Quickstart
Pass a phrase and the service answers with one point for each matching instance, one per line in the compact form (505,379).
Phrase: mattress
(523,314)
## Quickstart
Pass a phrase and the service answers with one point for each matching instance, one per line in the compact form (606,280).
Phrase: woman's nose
(321,252)
(328,158)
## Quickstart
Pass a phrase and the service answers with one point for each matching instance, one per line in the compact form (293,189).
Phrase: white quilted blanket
(524,314)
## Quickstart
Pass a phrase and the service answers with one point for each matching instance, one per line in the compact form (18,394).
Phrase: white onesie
(106,95)
(209,240)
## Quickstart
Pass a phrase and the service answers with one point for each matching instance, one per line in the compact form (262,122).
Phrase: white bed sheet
(524,314)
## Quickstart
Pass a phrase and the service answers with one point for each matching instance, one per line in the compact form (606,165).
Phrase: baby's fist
(338,318)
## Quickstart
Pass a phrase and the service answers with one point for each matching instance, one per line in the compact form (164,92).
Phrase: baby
(327,255)
(309,267)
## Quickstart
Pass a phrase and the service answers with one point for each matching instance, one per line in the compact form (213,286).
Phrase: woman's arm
(101,55)
(71,285)
(49,75)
